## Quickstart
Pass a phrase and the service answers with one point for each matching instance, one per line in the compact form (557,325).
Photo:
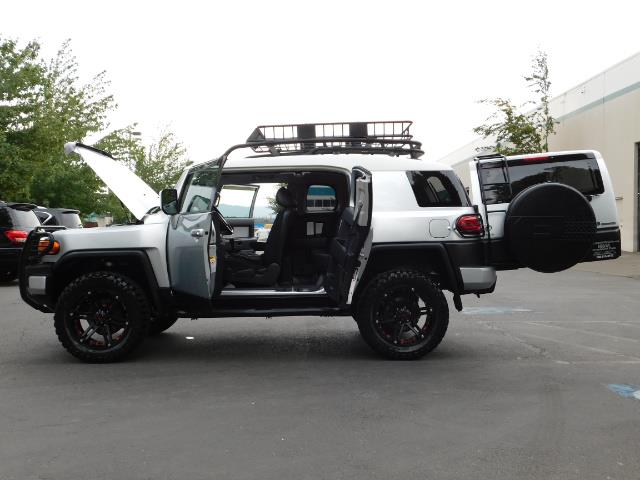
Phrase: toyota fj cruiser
(364,228)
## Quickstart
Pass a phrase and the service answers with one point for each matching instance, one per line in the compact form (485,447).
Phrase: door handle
(197,232)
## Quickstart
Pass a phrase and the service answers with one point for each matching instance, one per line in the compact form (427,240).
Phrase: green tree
(43,104)
(21,81)
(159,165)
(163,163)
(515,131)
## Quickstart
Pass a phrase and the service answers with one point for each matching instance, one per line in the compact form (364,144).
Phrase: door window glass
(321,198)
(200,191)
(5,219)
(236,201)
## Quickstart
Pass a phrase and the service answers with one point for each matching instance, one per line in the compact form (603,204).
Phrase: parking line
(594,349)
(582,331)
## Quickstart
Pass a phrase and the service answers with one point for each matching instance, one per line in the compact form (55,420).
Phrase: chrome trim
(37,285)
(478,278)
(245,292)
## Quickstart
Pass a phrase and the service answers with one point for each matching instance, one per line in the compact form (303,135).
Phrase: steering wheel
(227,229)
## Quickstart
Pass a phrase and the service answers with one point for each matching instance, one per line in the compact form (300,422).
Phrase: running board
(281,312)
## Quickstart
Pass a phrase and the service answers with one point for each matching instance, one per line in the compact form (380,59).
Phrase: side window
(437,189)
(236,201)
(5,219)
(321,198)
(199,193)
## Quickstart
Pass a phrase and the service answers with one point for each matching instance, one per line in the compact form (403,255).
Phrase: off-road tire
(160,323)
(138,315)
(375,290)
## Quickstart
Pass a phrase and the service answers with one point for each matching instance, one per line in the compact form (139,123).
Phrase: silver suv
(359,226)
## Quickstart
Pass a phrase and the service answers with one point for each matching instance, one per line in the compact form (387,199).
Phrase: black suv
(66,217)
(16,221)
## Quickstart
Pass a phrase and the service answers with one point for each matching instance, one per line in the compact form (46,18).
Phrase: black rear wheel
(402,314)
(101,317)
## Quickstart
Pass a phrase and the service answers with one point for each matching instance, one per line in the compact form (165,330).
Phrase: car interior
(312,224)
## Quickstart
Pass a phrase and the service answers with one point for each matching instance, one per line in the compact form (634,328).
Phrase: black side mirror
(169,201)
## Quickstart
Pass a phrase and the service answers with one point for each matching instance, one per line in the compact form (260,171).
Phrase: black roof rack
(388,137)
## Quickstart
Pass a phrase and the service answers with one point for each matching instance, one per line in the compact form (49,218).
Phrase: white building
(602,113)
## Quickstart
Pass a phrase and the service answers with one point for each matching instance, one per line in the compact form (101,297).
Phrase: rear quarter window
(320,198)
(437,189)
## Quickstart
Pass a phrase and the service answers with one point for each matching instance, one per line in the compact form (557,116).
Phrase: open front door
(546,211)
(191,238)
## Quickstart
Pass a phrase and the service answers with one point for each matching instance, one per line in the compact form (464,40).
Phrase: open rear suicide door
(546,211)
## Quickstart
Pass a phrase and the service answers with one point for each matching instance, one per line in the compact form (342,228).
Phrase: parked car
(394,232)
(64,217)
(16,221)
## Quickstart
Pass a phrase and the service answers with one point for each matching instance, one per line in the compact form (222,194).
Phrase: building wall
(613,128)
(602,113)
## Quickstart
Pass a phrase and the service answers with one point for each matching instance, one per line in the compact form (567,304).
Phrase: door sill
(269,292)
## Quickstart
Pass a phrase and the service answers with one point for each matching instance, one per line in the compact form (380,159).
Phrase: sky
(211,71)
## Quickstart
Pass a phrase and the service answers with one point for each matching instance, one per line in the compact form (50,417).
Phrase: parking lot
(520,388)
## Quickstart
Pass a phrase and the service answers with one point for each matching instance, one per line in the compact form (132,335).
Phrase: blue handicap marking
(626,391)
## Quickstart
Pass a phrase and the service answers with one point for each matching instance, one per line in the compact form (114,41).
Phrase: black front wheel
(101,317)
(402,315)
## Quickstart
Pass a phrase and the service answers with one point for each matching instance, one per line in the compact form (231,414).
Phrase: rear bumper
(478,279)
(9,259)
(606,245)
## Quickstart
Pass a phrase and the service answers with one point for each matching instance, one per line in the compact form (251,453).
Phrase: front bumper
(35,286)
(36,276)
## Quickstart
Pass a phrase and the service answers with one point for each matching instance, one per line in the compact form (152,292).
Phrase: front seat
(249,268)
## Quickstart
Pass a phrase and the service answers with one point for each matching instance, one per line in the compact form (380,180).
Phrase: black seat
(249,268)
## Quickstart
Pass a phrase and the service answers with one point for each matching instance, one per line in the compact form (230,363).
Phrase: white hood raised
(136,195)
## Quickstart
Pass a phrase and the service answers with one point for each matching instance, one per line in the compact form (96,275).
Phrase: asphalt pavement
(536,381)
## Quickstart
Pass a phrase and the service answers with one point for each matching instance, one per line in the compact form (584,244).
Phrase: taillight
(470,226)
(16,237)
(538,158)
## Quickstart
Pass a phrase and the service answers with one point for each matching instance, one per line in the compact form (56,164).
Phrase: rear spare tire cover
(549,227)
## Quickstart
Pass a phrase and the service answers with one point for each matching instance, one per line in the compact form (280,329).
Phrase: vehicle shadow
(9,284)
(258,347)
(331,346)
